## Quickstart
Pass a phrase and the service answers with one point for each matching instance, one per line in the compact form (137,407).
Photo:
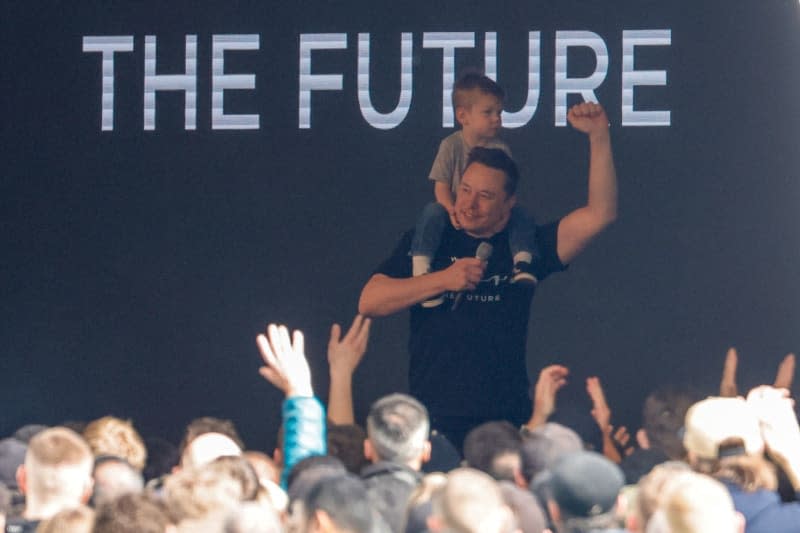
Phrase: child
(478,104)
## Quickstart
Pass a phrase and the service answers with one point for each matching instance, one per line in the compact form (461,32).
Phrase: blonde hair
(113,436)
(76,520)
(58,466)
(695,503)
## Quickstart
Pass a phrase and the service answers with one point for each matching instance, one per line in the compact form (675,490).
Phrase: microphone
(484,252)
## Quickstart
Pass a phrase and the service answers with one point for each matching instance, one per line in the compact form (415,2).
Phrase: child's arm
(445,197)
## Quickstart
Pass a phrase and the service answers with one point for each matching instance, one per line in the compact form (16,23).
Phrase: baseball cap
(714,420)
(585,484)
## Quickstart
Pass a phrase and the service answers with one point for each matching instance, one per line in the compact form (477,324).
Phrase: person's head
(694,503)
(132,513)
(346,441)
(663,415)
(487,192)
(478,105)
(264,466)
(206,447)
(210,424)
(471,502)
(5,505)
(494,448)
(113,436)
(203,492)
(339,504)
(542,447)
(253,517)
(649,493)
(723,439)
(240,469)
(73,520)
(584,487)
(113,477)
(397,431)
(57,473)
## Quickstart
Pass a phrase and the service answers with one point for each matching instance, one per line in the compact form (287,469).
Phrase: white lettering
(631,78)
(108,46)
(221,81)
(319,82)
(583,86)
(385,121)
(186,82)
(448,42)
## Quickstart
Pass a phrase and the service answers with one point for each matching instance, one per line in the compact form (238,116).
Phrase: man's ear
(519,479)
(555,512)
(322,522)
(642,439)
(22,478)
(87,491)
(369,451)
(426,452)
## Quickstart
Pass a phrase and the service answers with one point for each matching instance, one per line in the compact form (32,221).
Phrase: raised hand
(344,354)
(600,410)
(551,379)
(285,361)
(727,385)
(589,118)
(785,375)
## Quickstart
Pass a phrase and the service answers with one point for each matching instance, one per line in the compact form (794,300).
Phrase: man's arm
(344,354)
(384,295)
(579,227)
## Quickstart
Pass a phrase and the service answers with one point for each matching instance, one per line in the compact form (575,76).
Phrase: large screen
(178,174)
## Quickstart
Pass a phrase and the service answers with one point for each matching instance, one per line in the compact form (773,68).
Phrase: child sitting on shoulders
(478,104)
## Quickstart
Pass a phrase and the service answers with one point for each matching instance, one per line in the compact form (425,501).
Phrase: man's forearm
(602,179)
(383,295)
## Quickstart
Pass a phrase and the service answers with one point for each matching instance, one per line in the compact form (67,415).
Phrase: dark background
(138,266)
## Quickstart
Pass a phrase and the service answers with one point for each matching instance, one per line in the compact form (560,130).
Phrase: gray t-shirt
(451,160)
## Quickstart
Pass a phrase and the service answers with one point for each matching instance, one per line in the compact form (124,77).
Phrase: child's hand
(454,219)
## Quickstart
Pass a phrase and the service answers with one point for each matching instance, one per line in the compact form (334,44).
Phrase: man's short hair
(344,499)
(132,513)
(58,464)
(346,441)
(494,448)
(471,83)
(695,503)
(663,416)
(113,477)
(497,159)
(210,424)
(197,493)
(471,502)
(397,428)
(78,519)
(110,435)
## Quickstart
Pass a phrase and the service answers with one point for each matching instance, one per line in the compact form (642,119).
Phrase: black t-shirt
(471,361)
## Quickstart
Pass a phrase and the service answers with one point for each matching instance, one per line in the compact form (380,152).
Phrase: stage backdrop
(177,174)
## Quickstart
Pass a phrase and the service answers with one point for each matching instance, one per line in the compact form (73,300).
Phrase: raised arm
(579,227)
(384,295)
(344,354)
(286,367)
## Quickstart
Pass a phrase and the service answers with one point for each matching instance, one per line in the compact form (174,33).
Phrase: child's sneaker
(523,274)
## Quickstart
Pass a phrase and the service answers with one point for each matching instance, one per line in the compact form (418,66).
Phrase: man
(56,475)
(583,491)
(468,356)
(397,445)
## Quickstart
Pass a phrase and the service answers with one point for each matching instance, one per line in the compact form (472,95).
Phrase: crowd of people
(468,450)
(724,463)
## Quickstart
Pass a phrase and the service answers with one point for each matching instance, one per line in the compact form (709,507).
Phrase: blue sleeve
(304,432)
